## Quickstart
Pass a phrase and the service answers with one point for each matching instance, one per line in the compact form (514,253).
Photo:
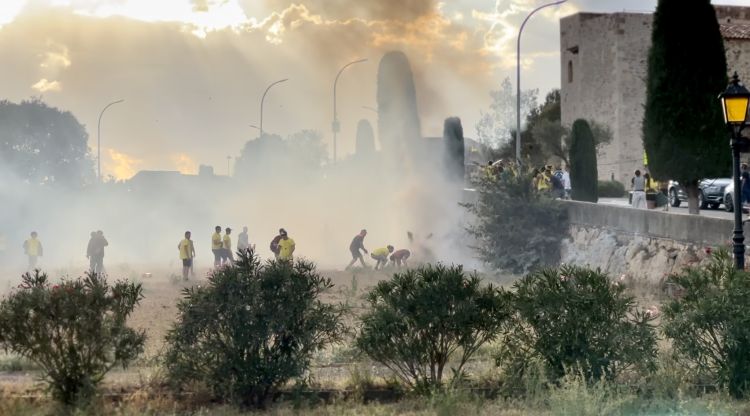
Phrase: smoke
(278,183)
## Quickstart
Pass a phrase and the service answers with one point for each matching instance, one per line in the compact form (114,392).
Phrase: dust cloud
(399,184)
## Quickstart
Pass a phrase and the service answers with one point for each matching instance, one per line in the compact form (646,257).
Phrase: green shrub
(611,189)
(421,318)
(517,229)
(583,171)
(574,319)
(709,322)
(252,328)
(75,332)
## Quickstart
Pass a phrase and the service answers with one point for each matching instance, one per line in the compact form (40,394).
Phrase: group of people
(555,181)
(641,184)
(282,247)
(381,255)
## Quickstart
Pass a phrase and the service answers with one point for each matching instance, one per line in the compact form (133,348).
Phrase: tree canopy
(43,145)
(683,131)
(583,169)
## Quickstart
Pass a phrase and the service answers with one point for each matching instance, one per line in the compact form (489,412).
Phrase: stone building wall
(604,61)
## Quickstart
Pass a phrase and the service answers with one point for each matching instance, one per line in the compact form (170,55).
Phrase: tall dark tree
(683,131)
(583,171)
(398,118)
(365,144)
(453,140)
(43,145)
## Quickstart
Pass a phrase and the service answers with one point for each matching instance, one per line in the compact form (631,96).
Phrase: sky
(192,72)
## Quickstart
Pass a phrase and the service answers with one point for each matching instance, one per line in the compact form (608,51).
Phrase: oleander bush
(75,332)
(424,318)
(251,329)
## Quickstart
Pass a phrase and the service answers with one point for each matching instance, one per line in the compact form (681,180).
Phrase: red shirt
(400,254)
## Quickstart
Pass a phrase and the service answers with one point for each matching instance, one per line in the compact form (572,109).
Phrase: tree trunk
(692,191)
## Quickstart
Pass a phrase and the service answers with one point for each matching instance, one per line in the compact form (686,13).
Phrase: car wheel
(701,201)
(728,203)
(674,200)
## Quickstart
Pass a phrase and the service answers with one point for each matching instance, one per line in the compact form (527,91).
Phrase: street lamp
(518,76)
(335,126)
(99,139)
(263,99)
(734,102)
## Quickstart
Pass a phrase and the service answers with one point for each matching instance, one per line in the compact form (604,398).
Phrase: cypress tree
(365,143)
(582,156)
(398,119)
(683,129)
(453,140)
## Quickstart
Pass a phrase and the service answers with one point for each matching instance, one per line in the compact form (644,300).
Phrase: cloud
(44,85)
(10,9)
(56,58)
(196,96)
(121,165)
(403,10)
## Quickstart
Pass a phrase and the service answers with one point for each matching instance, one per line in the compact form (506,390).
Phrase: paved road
(714,213)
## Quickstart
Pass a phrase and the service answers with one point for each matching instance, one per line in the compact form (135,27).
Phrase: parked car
(712,193)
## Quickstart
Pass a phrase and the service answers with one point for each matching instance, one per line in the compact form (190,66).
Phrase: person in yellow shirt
(187,253)
(380,255)
(226,247)
(543,179)
(286,247)
(217,246)
(33,249)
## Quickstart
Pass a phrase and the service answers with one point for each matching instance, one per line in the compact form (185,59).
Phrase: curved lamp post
(336,126)
(99,139)
(734,102)
(263,99)
(518,76)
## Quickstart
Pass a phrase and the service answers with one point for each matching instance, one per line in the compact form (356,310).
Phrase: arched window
(570,71)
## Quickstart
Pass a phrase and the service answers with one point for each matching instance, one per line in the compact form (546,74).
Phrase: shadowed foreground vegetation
(430,340)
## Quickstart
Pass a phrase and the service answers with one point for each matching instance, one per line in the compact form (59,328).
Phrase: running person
(187,253)
(380,255)
(356,245)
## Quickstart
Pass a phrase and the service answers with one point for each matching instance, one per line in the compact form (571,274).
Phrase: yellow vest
(32,247)
(380,252)
(286,248)
(186,249)
(227,242)
(216,242)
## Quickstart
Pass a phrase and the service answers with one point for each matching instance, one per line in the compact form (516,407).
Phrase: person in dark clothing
(90,252)
(357,244)
(275,243)
(95,252)
(745,181)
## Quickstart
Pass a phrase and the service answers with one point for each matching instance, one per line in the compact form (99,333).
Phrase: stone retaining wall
(642,244)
